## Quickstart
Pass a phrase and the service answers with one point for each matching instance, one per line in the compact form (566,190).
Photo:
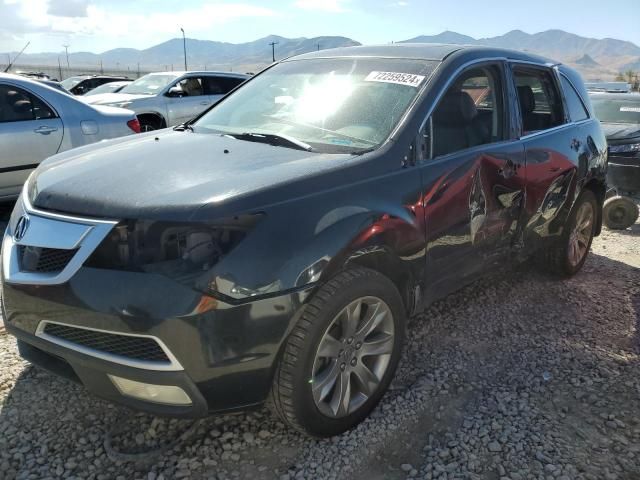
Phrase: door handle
(204,103)
(44,130)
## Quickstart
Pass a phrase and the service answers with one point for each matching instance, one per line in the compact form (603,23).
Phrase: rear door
(30,131)
(555,149)
(473,178)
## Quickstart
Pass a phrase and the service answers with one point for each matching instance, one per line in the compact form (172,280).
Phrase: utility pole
(273,50)
(138,74)
(66,49)
(184,47)
(59,68)
(101,67)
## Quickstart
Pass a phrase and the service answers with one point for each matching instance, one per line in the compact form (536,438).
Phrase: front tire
(342,354)
(569,252)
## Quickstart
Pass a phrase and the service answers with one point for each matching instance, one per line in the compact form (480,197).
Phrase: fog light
(165,394)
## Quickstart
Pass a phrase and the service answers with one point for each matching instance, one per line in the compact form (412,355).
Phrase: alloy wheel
(580,236)
(352,357)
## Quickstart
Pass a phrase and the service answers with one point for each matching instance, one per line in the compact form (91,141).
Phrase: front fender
(284,254)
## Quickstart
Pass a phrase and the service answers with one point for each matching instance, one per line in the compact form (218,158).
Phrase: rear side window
(539,99)
(577,112)
(18,105)
(221,85)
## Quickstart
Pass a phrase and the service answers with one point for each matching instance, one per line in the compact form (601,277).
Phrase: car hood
(172,175)
(621,131)
(109,98)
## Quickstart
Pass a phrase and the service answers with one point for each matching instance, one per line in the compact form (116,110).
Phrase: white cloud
(322,5)
(58,16)
(68,8)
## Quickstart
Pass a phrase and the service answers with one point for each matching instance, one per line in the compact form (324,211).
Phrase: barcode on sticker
(394,77)
(630,109)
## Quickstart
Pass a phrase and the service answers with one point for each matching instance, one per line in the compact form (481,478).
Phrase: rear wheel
(568,254)
(619,213)
(341,356)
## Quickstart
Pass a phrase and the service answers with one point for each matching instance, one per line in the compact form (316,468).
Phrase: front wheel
(569,252)
(341,355)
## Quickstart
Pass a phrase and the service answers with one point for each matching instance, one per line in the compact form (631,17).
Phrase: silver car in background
(165,99)
(38,121)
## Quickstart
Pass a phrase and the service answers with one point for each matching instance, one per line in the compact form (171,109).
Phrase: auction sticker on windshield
(394,77)
(630,109)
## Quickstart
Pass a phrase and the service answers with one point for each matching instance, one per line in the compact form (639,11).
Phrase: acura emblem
(21,228)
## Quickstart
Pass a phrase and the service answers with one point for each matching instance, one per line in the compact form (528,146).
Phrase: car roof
(424,51)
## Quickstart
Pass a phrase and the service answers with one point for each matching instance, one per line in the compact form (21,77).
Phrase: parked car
(620,117)
(37,121)
(111,87)
(165,99)
(53,84)
(34,75)
(81,84)
(274,247)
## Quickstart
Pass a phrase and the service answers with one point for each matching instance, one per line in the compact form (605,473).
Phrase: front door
(473,180)
(190,103)
(30,131)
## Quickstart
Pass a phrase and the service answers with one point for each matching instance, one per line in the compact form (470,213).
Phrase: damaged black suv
(272,248)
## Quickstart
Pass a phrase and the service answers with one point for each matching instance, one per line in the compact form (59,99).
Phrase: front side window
(333,105)
(539,99)
(18,105)
(191,87)
(149,84)
(470,113)
(577,112)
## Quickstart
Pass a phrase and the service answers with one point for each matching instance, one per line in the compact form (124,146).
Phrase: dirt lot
(517,377)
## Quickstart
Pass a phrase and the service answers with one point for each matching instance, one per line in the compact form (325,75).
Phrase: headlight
(121,104)
(628,148)
(184,252)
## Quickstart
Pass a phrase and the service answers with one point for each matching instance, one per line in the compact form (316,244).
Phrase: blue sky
(98,25)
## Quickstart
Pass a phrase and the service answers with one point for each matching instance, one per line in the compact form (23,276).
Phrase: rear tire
(333,373)
(619,213)
(568,253)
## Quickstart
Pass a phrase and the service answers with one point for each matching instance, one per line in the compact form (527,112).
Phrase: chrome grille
(126,346)
(43,260)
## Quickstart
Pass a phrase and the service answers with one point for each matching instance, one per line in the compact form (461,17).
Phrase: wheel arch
(156,116)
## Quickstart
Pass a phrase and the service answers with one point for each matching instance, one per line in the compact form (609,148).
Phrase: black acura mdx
(272,248)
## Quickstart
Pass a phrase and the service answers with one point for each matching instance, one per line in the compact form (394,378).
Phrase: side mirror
(175,92)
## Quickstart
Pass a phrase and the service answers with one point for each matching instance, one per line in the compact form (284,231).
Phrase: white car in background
(38,121)
(165,99)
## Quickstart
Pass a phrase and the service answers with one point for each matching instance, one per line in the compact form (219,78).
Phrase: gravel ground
(516,377)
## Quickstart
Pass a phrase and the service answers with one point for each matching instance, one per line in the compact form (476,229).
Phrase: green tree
(620,77)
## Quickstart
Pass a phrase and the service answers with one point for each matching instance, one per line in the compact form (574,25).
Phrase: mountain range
(596,59)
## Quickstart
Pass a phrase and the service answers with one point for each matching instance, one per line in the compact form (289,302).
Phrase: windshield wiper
(272,139)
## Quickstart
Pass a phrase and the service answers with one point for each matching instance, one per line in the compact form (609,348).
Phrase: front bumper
(227,354)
